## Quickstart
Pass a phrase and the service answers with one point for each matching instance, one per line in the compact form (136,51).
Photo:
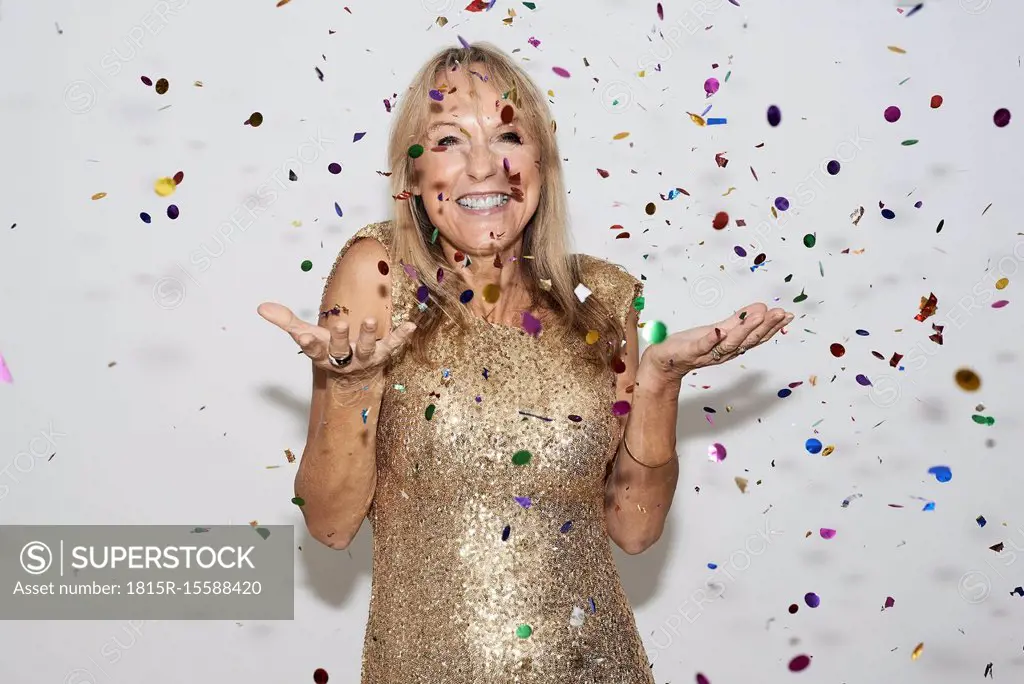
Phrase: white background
(205,394)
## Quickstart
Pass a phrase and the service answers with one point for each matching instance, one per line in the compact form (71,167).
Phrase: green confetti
(430,411)
(727,75)
(907,143)
(400,388)
(638,303)
(530,5)
(821,269)
(809,240)
(433,237)
(800,297)
(524,631)
(307,265)
(903,81)
(299,501)
(416,151)
(743,315)
(983,420)
(263,532)
(656,332)
(522,457)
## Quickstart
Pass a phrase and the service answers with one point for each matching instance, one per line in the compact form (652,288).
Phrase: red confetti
(799,663)
(720,221)
(477,6)
(928,307)
(320,676)
(603,173)
(661,12)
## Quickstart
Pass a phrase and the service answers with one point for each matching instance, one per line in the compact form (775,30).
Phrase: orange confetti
(281,3)
(917,651)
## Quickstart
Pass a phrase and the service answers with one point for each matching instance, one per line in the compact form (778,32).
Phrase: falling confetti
(827,533)
(254,120)
(941,473)
(334,167)
(967,379)
(812,600)
(5,372)
(99,195)
(1001,118)
(165,186)
(813,446)
(306,265)
(162,85)
(173,212)
(560,72)
(918,650)
(799,663)
(936,101)
(716,452)
(319,674)
(892,114)
(774,115)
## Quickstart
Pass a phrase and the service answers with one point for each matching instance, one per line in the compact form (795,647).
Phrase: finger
(760,334)
(778,326)
(398,338)
(339,345)
(281,316)
(367,340)
(735,337)
(313,344)
(708,342)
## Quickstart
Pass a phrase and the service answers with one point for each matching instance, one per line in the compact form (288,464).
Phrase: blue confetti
(566,526)
(593,606)
(981,521)
(505,532)
(366,413)
(930,506)
(863,333)
(716,122)
(146,218)
(337,209)
(813,445)
(358,136)
(713,566)
(941,473)
(523,501)
(888,213)
(785,392)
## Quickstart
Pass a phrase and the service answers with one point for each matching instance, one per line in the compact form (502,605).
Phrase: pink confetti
(620,408)
(5,373)
(889,602)
(716,452)
(1000,304)
(560,71)
(799,663)
(701,679)
(533,41)
(827,533)
(661,16)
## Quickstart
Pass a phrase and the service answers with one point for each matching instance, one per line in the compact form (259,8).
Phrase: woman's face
(476,205)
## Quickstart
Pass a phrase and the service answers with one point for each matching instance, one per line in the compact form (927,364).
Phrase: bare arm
(638,497)
(337,475)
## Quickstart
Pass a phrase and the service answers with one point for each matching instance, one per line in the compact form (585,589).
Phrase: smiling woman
(491,459)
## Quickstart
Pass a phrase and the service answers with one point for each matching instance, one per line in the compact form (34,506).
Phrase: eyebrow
(443,124)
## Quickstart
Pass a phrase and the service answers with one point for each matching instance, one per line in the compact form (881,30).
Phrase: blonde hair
(546,238)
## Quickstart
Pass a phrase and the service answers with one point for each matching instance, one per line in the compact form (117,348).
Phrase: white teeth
(483,201)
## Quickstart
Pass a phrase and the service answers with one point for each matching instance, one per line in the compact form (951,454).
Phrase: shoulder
(358,258)
(607,279)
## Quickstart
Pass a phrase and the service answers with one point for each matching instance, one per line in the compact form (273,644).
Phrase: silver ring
(341,362)
(716,354)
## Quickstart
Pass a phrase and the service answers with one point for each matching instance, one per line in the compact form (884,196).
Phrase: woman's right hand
(319,343)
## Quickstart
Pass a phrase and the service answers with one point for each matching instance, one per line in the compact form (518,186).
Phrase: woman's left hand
(710,345)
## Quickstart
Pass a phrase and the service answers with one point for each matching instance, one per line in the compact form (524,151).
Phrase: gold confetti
(441,21)
(917,651)
(551,93)
(697,119)
(297,223)
(620,136)
(813,380)
(1002,283)
(198,84)
(162,85)
(99,195)
(828,450)
(641,74)
(741,482)
(898,50)
(289,455)
(728,192)
(593,336)
(282,3)
(165,186)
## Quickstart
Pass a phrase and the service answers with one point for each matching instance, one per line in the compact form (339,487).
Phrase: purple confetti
(863,380)
(337,209)
(358,136)
(620,408)
(560,71)
(172,212)
(436,95)
(531,324)
(781,203)
(524,501)
(827,533)
(566,526)
(739,251)
(892,114)
(463,41)
(812,599)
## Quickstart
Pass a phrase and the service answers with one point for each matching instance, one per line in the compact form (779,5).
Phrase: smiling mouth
(490,201)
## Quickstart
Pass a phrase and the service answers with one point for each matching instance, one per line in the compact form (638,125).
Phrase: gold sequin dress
(486,569)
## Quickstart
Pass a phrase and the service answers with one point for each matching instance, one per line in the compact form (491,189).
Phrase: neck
(496,266)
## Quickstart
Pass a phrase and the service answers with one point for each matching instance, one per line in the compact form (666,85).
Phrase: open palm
(710,345)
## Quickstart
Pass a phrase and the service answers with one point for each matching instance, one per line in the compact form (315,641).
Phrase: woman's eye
(511,137)
(447,140)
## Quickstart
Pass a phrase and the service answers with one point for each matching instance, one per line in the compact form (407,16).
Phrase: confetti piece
(524,501)
(812,600)
(620,408)
(337,210)
(967,379)
(941,473)
(716,452)
(618,136)
(1001,118)
(774,116)
(319,674)
(566,526)
(1002,283)
(889,602)
(162,85)
(897,50)
(173,212)
(263,532)
(936,101)
(661,12)
(908,143)
(701,679)
(810,240)
(560,72)
(888,214)
(254,120)
(521,457)
(918,650)
(813,446)
(928,306)
(981,521)
(827,533)
(833,167)
(650,209)
(1000,304)
(799,663)
(696,118)
(741,482)
(847,500)
(892,114)
(983,420)
(655,332)
(416,151)
(165,186)
(5,372)
(602,173)
(429,413)
(299,501)
(717,122)
(146,218)
(720,221)
(711,86)
(837,349)
(783,393)
(781,203)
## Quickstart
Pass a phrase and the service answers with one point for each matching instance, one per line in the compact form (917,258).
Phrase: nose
(483,163)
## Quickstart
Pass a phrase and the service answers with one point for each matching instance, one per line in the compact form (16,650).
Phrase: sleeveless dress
(490,565)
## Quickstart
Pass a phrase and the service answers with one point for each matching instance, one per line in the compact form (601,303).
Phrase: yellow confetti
(917,651)
(620,136)
(728,192)
(164,186)
(99,195)
(741,482)
(1002,283)
(641,74)
(813,380)
(898,50)
(697,119)
(297,223)
(593,336)
(551,93)
(441,21)
(828,450)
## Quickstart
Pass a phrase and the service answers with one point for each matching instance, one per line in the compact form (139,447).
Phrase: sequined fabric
(485,570)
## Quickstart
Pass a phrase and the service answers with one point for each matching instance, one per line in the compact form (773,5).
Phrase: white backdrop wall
(138,359)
